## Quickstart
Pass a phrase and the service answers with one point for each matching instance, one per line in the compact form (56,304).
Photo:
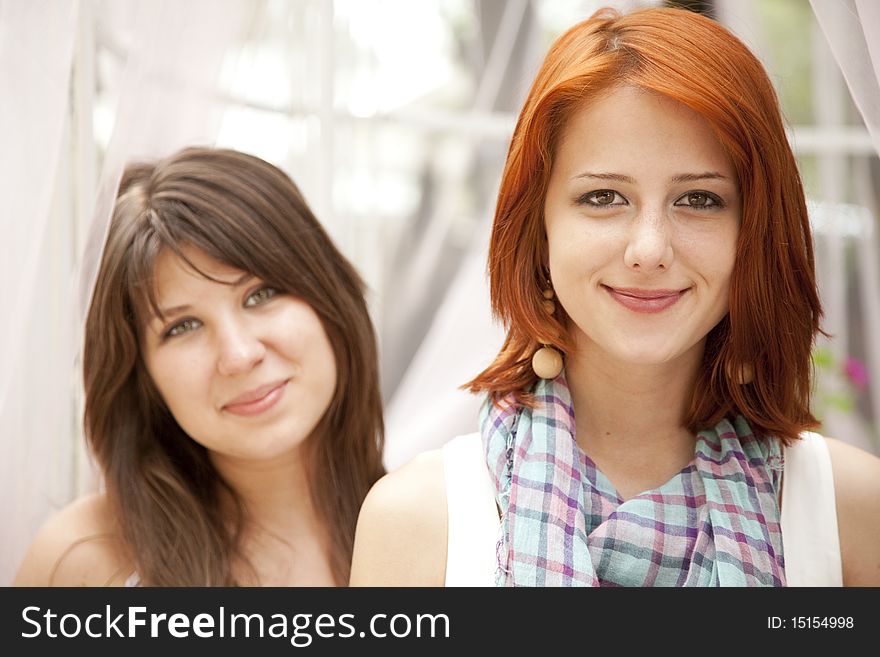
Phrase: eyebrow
(679,178)
(176,310)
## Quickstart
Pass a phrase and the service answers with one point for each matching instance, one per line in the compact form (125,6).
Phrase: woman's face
(246,371)
(642,215)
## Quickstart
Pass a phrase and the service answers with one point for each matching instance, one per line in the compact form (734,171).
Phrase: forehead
(627,127)
(170,270)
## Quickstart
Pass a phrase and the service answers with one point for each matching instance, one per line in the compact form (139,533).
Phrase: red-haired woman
(232,397)
(647,421)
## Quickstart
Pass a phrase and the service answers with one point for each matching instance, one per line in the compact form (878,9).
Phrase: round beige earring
(547,362)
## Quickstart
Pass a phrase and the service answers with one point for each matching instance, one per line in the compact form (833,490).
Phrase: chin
(274,449)
(270,443)
(648,355)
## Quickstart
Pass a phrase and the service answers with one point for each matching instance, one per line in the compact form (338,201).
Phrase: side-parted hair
(166,495)
(774,304)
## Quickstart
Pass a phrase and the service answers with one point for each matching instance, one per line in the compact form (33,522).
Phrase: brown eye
(603,198)
(700,201)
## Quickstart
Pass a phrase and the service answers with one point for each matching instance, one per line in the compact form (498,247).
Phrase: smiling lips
(258,400)
(645,301)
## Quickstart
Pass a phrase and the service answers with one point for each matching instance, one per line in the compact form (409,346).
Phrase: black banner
(276,621)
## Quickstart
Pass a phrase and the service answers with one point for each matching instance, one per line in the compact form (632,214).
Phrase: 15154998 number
(810,622)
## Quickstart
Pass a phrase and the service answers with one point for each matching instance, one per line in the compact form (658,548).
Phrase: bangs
(173,237)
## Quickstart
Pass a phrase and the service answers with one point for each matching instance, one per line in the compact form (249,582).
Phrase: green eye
(260,296)
(180,328)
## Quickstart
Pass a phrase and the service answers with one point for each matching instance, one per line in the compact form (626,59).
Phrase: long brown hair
(774,304)
(164,491)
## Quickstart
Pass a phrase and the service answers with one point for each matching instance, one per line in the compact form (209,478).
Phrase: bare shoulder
(401,531)
(857,493)
(78,546)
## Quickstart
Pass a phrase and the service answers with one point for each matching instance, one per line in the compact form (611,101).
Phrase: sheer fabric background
(852,31)
(175,85)
(166,100)
(37,330)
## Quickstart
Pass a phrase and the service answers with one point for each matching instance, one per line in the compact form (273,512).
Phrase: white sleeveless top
(809,517)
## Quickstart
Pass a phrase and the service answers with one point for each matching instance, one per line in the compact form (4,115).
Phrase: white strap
(810,539)
(473,521)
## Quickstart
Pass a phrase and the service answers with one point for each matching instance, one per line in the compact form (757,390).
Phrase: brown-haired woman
(650,226)
(232,398)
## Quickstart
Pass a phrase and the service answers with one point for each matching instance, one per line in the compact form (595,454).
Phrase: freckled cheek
(719,279)
(579,258)
(723,261)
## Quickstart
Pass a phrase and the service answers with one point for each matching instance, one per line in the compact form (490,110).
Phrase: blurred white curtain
(852,28)
(168,98)
(428,408)
(169,95)
(36,52)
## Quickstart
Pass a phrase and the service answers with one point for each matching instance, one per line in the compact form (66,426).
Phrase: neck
(285,542)
(274,492)
(619,404)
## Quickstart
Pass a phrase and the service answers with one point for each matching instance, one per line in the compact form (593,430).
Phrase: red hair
(774,304)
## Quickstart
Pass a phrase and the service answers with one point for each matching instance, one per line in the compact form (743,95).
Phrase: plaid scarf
(715,523)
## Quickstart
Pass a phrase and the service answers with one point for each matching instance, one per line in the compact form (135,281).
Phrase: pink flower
(856,372)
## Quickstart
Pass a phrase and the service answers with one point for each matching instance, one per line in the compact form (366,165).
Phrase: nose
(649,247)
(239,349)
